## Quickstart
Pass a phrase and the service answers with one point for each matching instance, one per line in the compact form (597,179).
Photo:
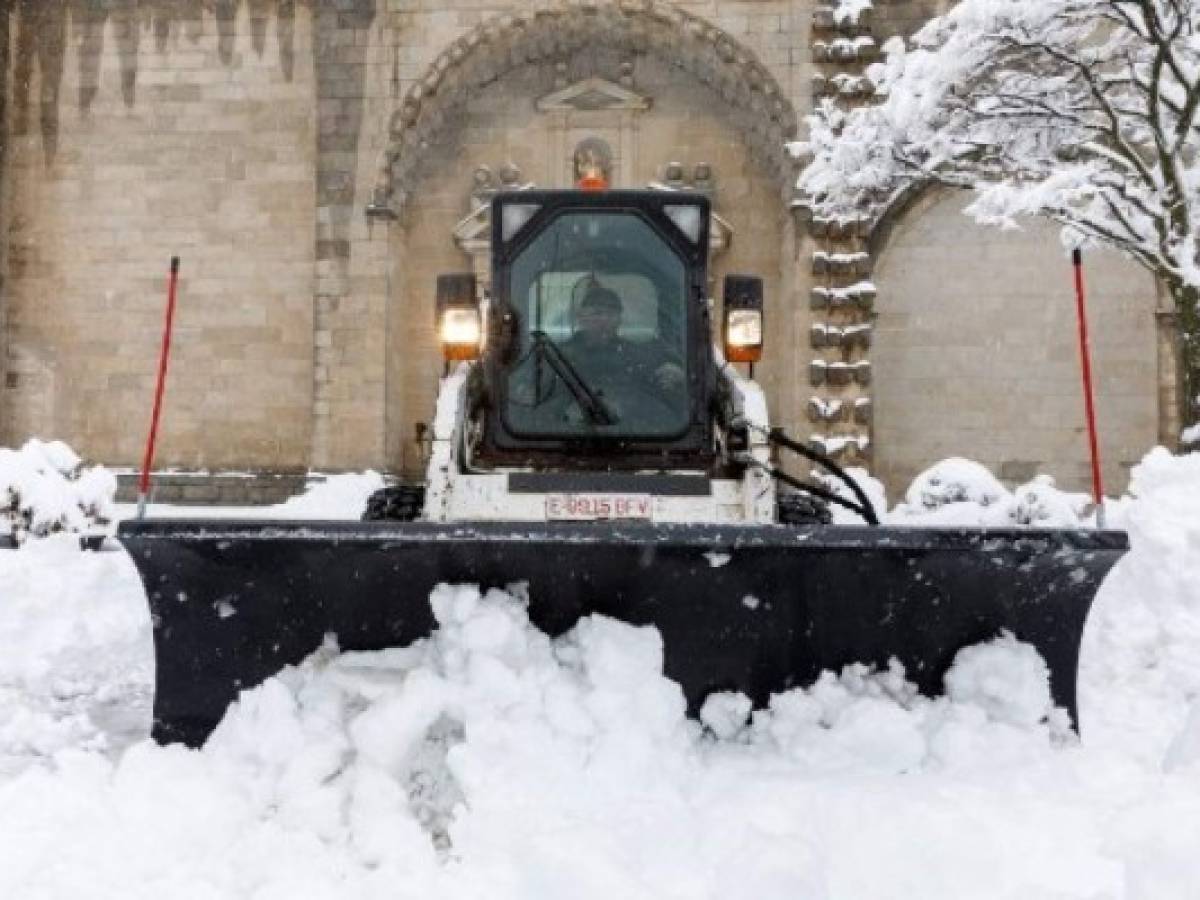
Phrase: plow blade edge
(756,609)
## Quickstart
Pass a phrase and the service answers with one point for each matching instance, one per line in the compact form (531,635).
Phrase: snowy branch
(1083,111)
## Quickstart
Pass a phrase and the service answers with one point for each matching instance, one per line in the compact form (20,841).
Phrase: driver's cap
(598,297)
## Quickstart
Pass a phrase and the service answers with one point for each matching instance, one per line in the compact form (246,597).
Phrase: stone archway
(553,33)
(975,349)
(508,103)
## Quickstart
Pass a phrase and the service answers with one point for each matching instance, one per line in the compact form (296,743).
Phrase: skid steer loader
(594,442)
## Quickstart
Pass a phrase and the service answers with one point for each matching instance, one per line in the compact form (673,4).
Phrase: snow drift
(490,760)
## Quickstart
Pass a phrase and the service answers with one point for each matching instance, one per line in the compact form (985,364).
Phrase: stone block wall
(348,342)
(251,137)
(977,352)
(901,18)
(136,135)
(246,136)
(5,42)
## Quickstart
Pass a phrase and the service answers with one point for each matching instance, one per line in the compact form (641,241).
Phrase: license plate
(589,507)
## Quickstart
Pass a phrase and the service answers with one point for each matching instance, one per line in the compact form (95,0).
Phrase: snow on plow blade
(757,609)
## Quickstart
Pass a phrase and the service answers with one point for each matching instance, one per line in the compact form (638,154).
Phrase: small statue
(483,185)
(673,175)
(510,175)
(593,164)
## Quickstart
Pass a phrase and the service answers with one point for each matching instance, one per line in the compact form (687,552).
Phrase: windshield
(600,302)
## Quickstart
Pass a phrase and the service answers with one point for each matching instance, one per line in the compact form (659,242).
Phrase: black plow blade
(758,609)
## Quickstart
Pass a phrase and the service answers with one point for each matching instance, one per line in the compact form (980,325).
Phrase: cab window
(600,303)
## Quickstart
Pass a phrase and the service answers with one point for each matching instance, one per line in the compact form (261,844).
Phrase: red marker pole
(164,355)
(1085,356)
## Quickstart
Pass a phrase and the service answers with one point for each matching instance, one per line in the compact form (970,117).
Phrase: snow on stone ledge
(849,11)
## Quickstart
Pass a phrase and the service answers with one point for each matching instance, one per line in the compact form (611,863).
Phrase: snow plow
(594,449)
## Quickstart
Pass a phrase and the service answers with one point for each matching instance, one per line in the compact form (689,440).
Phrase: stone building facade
(316,163)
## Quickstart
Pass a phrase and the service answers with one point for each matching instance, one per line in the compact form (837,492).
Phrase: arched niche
(527,120)
(557,34)
(976,350)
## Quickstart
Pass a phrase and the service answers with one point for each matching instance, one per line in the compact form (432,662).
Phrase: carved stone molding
(675,177)
(842,296)
(758,106)
(593,94)
(473,233)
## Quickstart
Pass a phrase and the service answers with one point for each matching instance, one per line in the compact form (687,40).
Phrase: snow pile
(961,492)
(341,496)
(492,760)
(486,670)
(325,497)
(76,666)
(1140,674)
(44,489)
(486,722)
(997,707)
(1005,678)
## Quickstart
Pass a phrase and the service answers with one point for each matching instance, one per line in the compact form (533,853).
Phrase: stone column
(5,387)
(1170,373)
(842,298)
(341,324)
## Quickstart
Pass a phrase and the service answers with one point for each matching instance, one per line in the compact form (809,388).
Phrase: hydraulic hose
(863,507)
(779,438)
(815,489)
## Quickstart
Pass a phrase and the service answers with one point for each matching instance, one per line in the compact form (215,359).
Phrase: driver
(597,347)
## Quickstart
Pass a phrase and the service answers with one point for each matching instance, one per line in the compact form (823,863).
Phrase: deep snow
(492,761)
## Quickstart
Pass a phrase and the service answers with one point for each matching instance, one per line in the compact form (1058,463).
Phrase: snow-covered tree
(1083,111)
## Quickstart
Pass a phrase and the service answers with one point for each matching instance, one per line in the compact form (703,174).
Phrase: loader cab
(598,351)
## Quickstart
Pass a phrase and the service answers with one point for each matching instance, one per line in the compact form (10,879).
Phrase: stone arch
(553,32)
(975,348)
(505,117)
(884,222)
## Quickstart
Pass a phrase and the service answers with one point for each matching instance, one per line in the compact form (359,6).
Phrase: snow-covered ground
(490,761)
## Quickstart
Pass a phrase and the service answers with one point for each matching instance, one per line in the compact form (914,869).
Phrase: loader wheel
(795,508)
(402,503)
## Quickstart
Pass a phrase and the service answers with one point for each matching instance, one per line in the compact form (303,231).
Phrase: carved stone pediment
(593,94)
(473,232)
(720,235)
(473,236)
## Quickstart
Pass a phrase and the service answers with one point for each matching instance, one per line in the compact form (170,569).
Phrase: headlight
(743,335)
(460,332)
